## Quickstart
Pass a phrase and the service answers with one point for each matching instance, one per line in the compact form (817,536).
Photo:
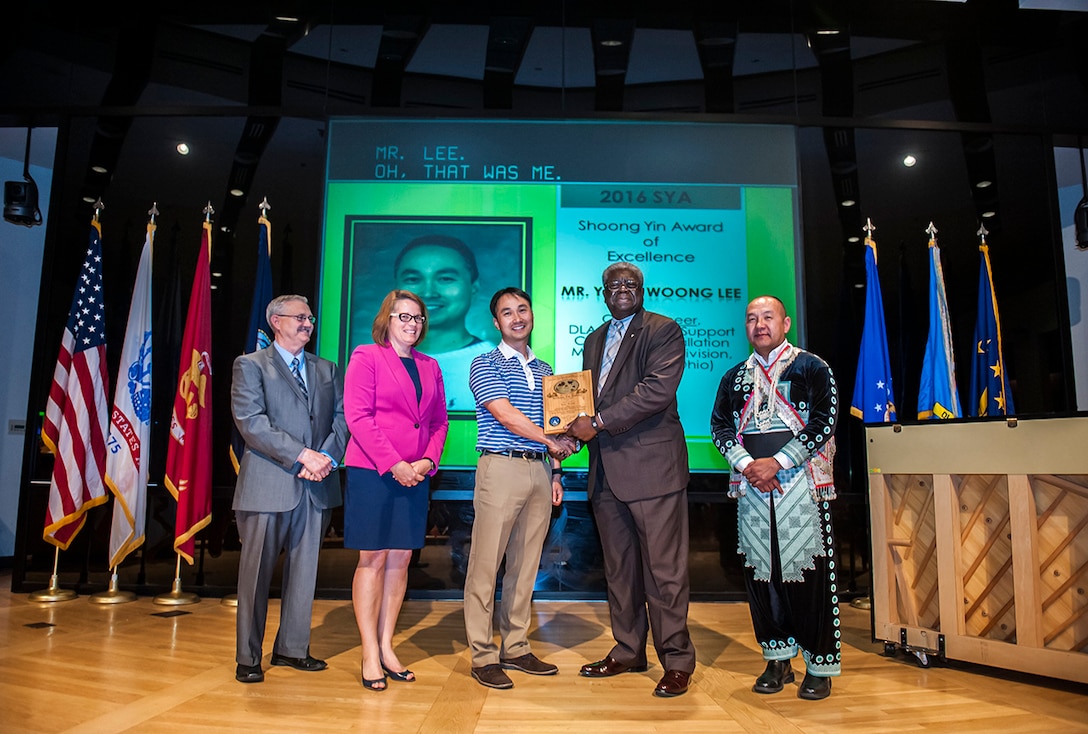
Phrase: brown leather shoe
(492,676)
(529,663)
(609,667)
(673,683)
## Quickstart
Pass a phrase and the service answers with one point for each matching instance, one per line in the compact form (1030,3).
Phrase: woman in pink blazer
(395,406)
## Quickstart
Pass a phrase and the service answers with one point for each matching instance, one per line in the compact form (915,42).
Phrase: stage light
(21,197)
(182,148)
(909,161)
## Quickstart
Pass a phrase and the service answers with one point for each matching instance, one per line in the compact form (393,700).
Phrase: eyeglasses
(406,317)
(614,286)
(299,317)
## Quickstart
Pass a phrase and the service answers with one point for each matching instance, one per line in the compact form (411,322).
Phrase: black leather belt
(519,454)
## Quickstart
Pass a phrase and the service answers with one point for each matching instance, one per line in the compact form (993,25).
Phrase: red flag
(76,414)
(189,449)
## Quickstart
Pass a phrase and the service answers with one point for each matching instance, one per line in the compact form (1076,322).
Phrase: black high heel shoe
(377,684)
(404,676)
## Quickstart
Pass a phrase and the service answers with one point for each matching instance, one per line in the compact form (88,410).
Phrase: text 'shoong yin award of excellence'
(566,397)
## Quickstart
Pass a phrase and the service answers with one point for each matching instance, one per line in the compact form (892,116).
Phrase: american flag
(76,415)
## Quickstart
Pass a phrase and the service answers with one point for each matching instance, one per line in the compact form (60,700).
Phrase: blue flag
(990,392)
(258,332)
(938,397)
(874,401)
(257,335)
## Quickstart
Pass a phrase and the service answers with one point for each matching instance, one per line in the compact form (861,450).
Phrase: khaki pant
(513,504)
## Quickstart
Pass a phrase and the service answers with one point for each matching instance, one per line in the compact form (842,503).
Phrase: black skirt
(382,514)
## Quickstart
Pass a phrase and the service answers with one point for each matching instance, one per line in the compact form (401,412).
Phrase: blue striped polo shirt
(501,373)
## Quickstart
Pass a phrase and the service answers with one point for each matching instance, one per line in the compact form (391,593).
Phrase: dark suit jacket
(641,446)
(277,422)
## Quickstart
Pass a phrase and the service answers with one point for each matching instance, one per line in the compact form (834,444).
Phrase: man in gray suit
(289,408)
(638,477)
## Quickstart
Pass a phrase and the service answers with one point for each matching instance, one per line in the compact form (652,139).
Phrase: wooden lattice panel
(913,546)
(986,556)
(1061,504)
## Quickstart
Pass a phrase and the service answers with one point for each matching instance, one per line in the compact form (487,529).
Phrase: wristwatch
(594,425)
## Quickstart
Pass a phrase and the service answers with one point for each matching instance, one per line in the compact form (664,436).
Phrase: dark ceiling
(907,61)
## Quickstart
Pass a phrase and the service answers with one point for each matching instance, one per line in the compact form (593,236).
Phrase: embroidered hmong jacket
(806,403)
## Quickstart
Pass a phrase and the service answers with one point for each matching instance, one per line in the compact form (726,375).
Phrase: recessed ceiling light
(217,275)
(987,215)
(99,169)
(983,184)
(89,199)
(854,238)
(237,192)
(827,32)
(611,43)
(909,161)
(183,148)
(848,202)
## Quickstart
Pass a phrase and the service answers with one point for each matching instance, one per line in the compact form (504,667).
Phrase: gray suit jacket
(277,422)
(641,446)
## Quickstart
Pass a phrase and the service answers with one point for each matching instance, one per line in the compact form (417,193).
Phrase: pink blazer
(387,425)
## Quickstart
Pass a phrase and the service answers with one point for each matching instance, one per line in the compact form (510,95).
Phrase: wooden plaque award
(566,397)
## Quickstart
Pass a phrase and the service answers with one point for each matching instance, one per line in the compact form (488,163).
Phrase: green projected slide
(457,209)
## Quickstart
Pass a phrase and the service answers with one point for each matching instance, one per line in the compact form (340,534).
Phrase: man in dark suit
(638,476)
(289,408)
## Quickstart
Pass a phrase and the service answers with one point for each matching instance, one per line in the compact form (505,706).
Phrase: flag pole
(231,600)
(114,595)
(54,592)
(177,597)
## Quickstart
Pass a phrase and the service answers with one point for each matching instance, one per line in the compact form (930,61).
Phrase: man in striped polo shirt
(518,480)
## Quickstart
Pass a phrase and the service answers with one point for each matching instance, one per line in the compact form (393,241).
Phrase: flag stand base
(230,600)
(53,593)
(113,595)
(862,602)
(176,597)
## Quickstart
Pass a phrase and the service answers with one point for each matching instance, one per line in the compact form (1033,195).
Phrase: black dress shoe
(813,688)
(308,663)
(249,674)
(673,683)
(777,674)
(609,667)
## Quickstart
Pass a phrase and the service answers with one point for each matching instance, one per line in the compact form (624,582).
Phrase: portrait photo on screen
(454,264)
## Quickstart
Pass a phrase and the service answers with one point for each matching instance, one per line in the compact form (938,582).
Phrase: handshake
(561,446)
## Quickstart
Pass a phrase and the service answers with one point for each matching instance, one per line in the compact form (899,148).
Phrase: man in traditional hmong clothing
(774,421)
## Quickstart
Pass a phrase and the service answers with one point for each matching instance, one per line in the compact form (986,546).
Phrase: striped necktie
(298,378)
(611,347)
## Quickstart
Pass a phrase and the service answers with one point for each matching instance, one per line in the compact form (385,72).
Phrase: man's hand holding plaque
(566,397)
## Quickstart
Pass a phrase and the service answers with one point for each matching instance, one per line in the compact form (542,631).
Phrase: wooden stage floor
(78,666)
